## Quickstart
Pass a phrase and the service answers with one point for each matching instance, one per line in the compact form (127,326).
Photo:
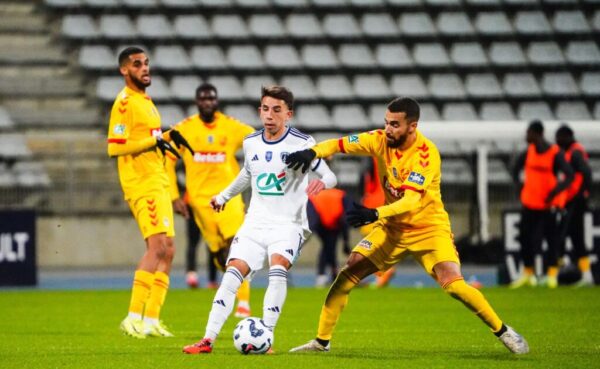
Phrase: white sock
(587,276)
(275,295)
(150,321)
(223,302)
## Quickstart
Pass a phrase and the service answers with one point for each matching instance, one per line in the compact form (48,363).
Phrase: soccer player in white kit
(276,224)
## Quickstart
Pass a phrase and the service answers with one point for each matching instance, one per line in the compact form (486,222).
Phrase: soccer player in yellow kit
(136,140)
(412,221)
(215,138)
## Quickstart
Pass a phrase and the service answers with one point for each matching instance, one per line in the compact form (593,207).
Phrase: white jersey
(278,193)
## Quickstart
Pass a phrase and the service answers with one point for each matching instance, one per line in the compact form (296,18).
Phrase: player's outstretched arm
(300,159)
(239,184)
(123,146)
(178,139)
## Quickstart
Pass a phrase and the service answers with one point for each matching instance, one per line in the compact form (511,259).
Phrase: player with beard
(136,140)
(215,138)
(412,221)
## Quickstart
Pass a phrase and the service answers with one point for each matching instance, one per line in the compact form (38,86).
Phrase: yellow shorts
(218,228)
(153,213)
(430,246)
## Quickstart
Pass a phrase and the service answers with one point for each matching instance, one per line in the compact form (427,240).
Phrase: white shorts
(253,244)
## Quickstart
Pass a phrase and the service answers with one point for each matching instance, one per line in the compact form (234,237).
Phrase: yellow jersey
(417,168)
(213,165)
(135,122)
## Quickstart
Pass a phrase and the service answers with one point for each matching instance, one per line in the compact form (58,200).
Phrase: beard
(395,143)
(140,84)
(207,114)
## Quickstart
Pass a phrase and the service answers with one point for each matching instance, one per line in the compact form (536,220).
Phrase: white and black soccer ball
(251,336)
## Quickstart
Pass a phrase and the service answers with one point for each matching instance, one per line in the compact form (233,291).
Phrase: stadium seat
(521,85)
(14,146)
(560,84)
(429,113)
(377,115)
(192,27)
(590,83)
(496,111)
(443,3)
(416,25)
(393,56)
(117,27)
(498,173)
(230,26)
(356,56)
(468,54)
(532,23)
(246,57)
(159,90)
(303,26)
(347,172)
(431,55)
(596,20)
(446,86)
(570,22)
(583,53)
(102,4)
(253,4)
(329,3)
(371,86)
(5,119)
(454,24)
(219,4)
(405,3)
(80,26)
(179,4)
(456,171)
(208,58)
(597,110)
(171,58)
(62,3)
(507,54)
(282,57)
(107,88)
(483,85)
(487,3)
(319,57)
(367,3)
(528,110)
(291,3)
(228,86)
(266,26)
(341,26)
(572,110)
(154,27)
(334,87)
(31,174)
(301,86)
(98,57)
(140,4)
(183,87)
(7,178)
(493,24)
(253,84)
(378,25)
(545,53)
(245,113)
(313,116)
(463,111)
(170,115)
(408,85)
(350,117)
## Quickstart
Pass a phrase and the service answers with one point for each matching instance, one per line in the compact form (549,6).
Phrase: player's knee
(453,287)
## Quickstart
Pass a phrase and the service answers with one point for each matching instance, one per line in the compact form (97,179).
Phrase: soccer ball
(251,336)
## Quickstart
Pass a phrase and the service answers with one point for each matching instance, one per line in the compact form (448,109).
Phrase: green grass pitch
(391,328)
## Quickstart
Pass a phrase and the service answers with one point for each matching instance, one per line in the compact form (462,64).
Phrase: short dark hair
(565,130)
(536,126)
(279,92)
(206,87)
(405,105)
(131,50)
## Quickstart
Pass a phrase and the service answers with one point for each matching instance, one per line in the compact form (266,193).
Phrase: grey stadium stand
(303,26)
(532,23)
(245,57)
(393,56)
(371,87)
(208,58)
(230,26)
(81,26)
(313,116)
(416,25)
(154,27)
(334,87)
(192,27)
(431,55)
(184,87)
(117,27)
(349,117)
(454,24)
(378,25)
(408,85)
(319,57)
(545,53)
(496,111)
(483,85)
(459,112)
(468,54)
(583,53)
(170,115)
(282,57)
(98,57)
(228,86)
(446,86)
(560,84)
(506,54)
(252,86)
(570,22)
(341,26)
(266,26)
(107,88)
(590,83)
(429,112)
(572,110)
(171,58)
(301,86)
(521,85)
(244,113)
(377,114)
(534,110)
(159,90)
(493,24)
(5,119)
(356,56)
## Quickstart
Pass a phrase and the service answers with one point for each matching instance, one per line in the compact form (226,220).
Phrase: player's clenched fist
(300,159)
(216,204)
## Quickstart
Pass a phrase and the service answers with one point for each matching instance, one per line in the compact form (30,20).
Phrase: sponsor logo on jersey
(271,184)
(166,221)
(284,156)
(394,191)
(255,157)
(210,139)
(417,178)
(156,132)
(366,244)
(268,156)
(353,139)
(119,129)
(209,157)
(395,173)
